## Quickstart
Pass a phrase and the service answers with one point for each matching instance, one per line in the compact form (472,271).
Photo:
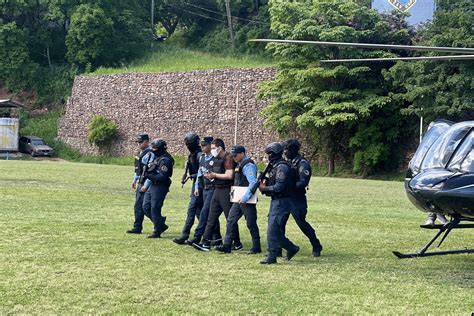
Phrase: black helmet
(292,143)
(158,144)
(275,148)
(191,139)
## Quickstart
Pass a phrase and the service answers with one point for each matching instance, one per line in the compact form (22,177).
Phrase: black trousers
(249,211)
(152,204)
(279,211)
(139,213)
(220,202)
(299,209)
(194,209)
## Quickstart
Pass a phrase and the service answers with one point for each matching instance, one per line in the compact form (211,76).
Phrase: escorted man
(245,176)
(279,187)
(157,185)
(195,202)
(205,187)
(223,175)
(302,170)
(141,161)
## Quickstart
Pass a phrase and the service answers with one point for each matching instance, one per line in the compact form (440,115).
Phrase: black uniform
(160,171)
(280,188)
(249,211)
(299,209)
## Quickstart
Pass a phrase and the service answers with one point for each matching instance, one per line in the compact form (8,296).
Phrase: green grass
(63,249)
(173,58)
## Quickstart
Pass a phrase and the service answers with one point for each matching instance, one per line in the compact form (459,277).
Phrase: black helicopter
(440,178)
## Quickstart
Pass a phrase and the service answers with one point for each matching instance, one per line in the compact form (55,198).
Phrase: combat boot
(269,260)
(179,240)
(154,235)
(317,251)
(134,231)
(291,253)
(224,248)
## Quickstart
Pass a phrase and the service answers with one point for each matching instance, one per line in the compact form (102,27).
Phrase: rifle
(260,178)
(185,177)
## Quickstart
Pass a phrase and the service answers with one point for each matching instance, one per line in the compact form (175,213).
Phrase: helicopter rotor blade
(460,50)
(453,57)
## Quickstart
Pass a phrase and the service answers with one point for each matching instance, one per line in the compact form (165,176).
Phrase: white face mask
(215,151)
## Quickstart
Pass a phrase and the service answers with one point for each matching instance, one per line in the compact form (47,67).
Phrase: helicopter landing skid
(447,228)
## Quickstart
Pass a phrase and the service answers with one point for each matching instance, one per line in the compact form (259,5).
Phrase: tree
(333,105)
(88,36)
(439,89)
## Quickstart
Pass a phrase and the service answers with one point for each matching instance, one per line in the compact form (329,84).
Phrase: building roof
(8,103)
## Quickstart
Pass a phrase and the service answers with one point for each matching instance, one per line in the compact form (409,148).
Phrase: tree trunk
(332,164)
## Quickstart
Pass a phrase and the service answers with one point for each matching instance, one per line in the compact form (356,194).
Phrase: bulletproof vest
(290,178)
(218,167)
(154,166)
(193,160)
(206,165)
(239,178)
(138,161)
(296,165)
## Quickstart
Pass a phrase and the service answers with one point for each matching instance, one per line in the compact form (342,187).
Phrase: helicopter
(440,176)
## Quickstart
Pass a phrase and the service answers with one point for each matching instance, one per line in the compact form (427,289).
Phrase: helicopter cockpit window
(433,133)
(442,150)
(463,154)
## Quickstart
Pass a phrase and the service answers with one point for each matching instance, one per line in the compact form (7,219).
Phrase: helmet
(158,144)
(191,139)
(293,143)
(275,148)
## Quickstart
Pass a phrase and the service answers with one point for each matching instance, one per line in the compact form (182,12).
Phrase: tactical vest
(193,160)
(138,162)
(296,169)
(290,180)
(218,167)
(206,165)
(239,178)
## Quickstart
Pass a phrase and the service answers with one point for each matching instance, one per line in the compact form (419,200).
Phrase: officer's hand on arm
(241,202)
(262,186)
(210,175)
(134,185)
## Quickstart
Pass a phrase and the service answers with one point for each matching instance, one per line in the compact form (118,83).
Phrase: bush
(102,131)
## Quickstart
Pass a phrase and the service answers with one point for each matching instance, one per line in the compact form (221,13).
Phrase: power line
(198,14)
(222,14)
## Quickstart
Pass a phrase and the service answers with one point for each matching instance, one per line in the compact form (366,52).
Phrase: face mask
(158,152)
(215,152)
(291,153)
(272,157)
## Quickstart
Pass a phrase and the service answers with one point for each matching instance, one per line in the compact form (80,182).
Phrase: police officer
(157,185)
(191,141)
(245,176)
(205,187)
(223,175)
(141,161)
(302,170)
(279,187)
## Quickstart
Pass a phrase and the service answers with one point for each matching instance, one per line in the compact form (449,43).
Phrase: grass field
(63,249)
(172,58)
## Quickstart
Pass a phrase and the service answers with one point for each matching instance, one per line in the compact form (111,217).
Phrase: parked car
(35,146)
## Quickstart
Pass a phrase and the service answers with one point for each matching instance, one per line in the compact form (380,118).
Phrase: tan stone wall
(168,105)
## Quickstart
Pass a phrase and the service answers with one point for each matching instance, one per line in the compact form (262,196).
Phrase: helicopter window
(468,163)
(430,137)
(444,147)
(463,153)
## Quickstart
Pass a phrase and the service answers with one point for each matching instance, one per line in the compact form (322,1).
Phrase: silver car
(35,146)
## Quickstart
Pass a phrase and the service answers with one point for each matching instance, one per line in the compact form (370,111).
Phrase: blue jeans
(204,215)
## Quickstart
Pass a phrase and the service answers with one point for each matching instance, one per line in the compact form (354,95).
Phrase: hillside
(172,58)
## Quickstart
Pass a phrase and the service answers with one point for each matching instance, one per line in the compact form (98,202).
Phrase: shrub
(102,131)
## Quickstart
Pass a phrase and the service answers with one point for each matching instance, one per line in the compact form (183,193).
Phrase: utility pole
(229,21)
(152,22)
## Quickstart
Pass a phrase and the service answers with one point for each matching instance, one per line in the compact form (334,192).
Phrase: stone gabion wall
(168,105)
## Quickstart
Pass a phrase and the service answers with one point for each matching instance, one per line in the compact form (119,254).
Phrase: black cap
(237,149)
(142,137)
(207,140)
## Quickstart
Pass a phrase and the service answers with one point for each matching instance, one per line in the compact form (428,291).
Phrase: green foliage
(439,89)
(102,131)
(334,106)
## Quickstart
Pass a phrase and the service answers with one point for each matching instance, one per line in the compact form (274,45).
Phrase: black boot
(269,260)
(179,240)
(317,251)
(291,253)
(224,248)
(134,231)
(154,235)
